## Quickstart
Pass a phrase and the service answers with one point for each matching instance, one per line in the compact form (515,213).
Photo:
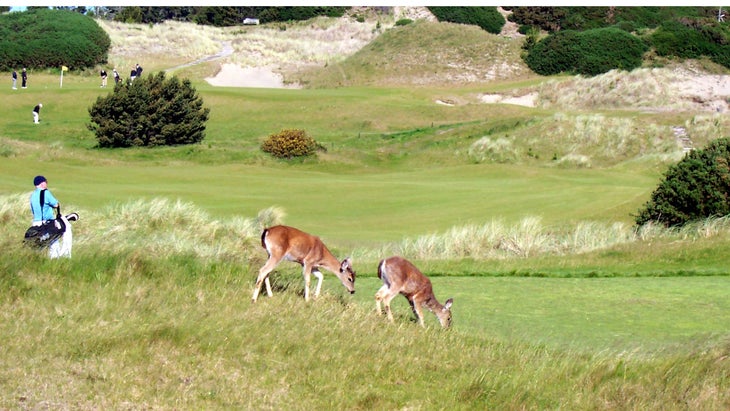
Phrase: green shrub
(693,39)
(403,22)
(546,18)
(695,188)
(582,18)
(42,38)
(151,111)
(488,18)
(589,52)
(290,143)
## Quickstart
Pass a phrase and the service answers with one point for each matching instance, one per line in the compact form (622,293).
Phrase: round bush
(42,38)
(289,143)
(695,188)
(150,111)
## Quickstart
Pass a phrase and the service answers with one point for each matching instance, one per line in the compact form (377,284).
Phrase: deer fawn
(282,242)
(400,276)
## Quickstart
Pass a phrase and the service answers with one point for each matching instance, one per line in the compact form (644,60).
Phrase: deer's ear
(347,262)
(447,306)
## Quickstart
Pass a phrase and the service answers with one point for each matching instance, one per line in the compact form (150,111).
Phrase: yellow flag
(64,68)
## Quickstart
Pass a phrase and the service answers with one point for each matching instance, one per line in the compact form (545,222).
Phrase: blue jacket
(48,204)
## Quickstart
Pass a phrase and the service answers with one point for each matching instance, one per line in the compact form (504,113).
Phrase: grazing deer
(400,276)
(282,242)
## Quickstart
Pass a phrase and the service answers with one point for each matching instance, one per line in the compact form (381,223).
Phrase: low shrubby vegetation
(42,38)
(589,52)
(488,18)
(696,188)
(594,40)
(149,111)
(692,39)
(553,19)
(216,15)
(290,143)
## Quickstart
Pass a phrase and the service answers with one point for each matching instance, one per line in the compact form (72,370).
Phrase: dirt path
(227,51)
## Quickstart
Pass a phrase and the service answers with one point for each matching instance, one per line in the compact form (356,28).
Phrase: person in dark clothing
(116,76)
(24,76)
(132,74)
(37,113)
(103,78)
(139,70)
(15,80)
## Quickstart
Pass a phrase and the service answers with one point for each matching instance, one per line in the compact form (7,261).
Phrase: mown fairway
(154,312)
(371,187)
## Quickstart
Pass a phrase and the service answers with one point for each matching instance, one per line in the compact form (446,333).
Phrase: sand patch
(528,100)
(233,75)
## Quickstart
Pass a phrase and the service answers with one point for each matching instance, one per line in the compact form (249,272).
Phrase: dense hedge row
(685,32)
(582,18)
(41,38)
(216,15)
(697,187)
(150,111)
(692,39)
(589,52)
(488,18)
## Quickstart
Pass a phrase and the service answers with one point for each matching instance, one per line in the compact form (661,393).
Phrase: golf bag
(41,236)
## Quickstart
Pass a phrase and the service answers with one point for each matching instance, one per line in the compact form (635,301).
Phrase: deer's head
(444,314)
(347,275)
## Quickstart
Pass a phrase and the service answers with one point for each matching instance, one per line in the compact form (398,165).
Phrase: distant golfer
(24,77)
(37,113)
(15,80)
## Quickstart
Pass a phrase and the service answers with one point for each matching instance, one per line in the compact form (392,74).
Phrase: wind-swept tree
(150,111)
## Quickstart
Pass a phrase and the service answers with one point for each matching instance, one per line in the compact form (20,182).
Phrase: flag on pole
(63,68)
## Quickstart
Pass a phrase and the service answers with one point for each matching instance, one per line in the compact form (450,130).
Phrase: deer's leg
(418,310)
(264,277)
(379,296)
(306,271)
(319,276)
(268,286)
(386,301)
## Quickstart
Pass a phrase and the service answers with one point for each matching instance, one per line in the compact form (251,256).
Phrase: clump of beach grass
(638,88)
(530,238)
(159,227)
(164,228)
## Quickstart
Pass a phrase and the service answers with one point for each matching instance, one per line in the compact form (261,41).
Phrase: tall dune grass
(586,140)
(158,227)
(647,88)
(529,238)
(281,45)
(162,227)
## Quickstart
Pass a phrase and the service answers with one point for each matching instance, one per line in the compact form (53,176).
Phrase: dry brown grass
(284,46)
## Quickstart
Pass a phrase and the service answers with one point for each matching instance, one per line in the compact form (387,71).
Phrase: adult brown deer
(400,276)
(283,242)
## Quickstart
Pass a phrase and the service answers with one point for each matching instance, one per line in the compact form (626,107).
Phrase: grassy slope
(116,328)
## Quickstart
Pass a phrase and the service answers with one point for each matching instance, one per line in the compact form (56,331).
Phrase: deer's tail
(381,269)
(263,237)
